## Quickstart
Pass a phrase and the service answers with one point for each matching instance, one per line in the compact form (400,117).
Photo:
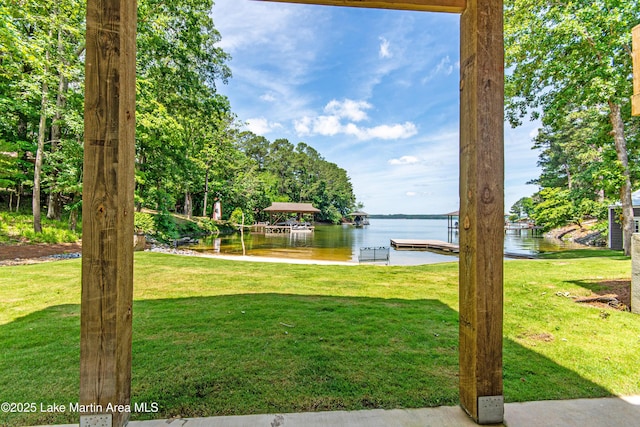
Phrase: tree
(575,153)
(178,66)
(561,55)
(523,208)
(40,47)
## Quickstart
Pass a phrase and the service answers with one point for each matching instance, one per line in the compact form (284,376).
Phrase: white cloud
(303,126)
(444,68)
(327,125)
(244,24)
(384,51)
(262,126)
(398,131)
(352,111)
(404,160)
(268,97)
(348,109)
(411,193)
(533,133)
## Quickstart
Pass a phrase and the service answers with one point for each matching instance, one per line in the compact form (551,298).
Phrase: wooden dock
(440,246)
(434,245)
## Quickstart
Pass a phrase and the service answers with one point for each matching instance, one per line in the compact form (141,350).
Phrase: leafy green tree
(562,55)
(40,44)
(575,152)
(555,208)
(189,145)
(521,209)
(178,66)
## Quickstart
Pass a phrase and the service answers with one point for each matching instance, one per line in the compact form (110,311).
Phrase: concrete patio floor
(605,412)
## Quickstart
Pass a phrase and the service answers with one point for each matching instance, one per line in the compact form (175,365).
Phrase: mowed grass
(215,337)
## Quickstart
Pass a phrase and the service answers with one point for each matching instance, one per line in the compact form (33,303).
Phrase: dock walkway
(440,246)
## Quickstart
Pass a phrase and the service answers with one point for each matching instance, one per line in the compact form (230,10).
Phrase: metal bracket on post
(490,409)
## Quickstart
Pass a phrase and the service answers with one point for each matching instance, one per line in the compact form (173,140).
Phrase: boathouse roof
(292,207)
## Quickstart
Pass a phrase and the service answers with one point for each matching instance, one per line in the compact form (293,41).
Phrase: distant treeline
(409,216)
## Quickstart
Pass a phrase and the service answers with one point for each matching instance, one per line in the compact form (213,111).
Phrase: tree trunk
(569,177)
(73,219)
(55,200)
(139,186)
(600,192)
(188,204)
(244,250)
(20,188)
(206,193)
(628,226)
(37,225)
(73,214)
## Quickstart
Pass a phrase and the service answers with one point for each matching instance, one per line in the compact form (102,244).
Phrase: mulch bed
(614,294)
(30,254)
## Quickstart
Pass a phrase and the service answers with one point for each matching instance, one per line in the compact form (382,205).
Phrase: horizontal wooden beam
(452,6)
(635,101)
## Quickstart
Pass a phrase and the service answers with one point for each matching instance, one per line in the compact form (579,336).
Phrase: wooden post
(635,100)
(481,209)
(107,265)
(107,212)
(635,273)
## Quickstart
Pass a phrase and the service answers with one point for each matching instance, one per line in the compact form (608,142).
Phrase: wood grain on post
(635,100)
(481,208)
(107,210)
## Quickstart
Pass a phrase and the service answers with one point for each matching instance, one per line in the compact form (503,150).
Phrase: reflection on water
(342,242)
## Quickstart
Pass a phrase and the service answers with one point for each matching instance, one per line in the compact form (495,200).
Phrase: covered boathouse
(288,217)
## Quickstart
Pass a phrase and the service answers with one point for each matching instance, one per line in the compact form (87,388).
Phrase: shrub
(144,223)
(208,226)
(166,228)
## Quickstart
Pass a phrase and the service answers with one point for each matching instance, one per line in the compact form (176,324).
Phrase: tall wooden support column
(635,100)
(481,209)
(107,211)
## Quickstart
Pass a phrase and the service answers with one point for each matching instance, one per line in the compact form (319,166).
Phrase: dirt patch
(609,294)
(31,254)
(544,337)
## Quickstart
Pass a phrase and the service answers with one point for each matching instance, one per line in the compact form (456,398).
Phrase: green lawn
(215,337)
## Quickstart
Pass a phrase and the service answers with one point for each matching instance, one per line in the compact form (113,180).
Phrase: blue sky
(374,91)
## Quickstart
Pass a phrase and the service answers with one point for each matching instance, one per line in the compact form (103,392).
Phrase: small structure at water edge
(615,221)
(290,217)
(359,218)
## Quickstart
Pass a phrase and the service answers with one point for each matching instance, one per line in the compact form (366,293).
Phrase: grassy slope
(223,337)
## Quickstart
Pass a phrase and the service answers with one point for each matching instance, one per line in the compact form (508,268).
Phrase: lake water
(343,242)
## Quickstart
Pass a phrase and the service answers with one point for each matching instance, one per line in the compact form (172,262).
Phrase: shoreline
(253,258)
(246,258)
